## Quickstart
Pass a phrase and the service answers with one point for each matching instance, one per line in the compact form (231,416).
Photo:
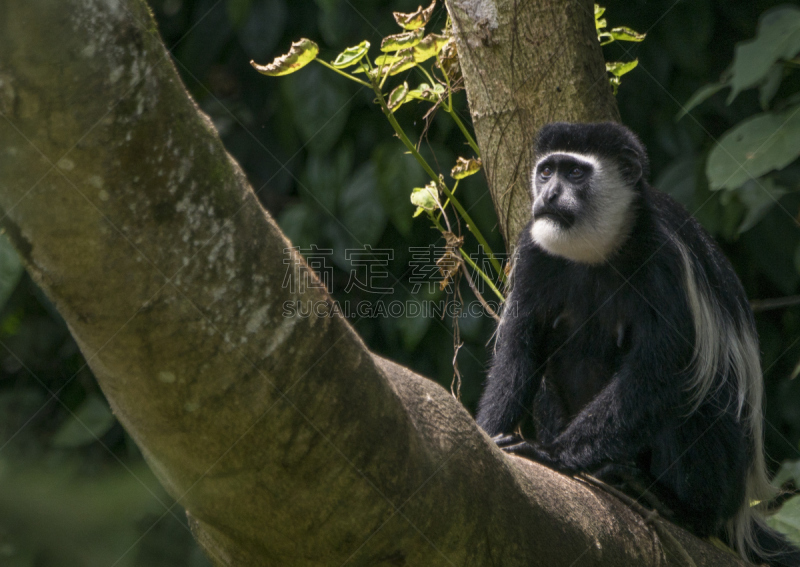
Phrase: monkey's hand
(516,445)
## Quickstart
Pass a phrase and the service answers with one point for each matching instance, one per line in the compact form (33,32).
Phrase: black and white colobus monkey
(629,336)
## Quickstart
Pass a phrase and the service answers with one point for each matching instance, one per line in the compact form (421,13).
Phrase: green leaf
(324,176)
(317,102)
(754,147)
(770,86)
(787,519)
(789,470)
(262,28)
(415,20)
(360,206)
(402,40)
(351,55)
(86,425)
(237,11)
(600,24)
(397,97)
(301,54)
(605,38)
(10,270)
(396,172)
(700,96)
(425,198)
(770,246)
(619,68)
(758,196)
(412,329)
(626,34)
(429,47)
(777,37)
(301,224)
(427,93)
(679,180)
(466,167)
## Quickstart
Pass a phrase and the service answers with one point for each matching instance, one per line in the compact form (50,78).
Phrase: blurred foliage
(323,160)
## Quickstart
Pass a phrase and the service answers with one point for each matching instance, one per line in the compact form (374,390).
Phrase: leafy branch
(411,49)
(622,33)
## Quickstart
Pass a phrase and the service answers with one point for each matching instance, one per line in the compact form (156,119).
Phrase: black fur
(600,354)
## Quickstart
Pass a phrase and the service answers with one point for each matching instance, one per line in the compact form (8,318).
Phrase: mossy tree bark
(287,441)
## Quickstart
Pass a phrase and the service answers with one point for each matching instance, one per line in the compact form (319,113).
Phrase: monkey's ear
(631,167)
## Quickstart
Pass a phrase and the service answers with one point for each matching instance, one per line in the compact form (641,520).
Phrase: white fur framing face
(604,227)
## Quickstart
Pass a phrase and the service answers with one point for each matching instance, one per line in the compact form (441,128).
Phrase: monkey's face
(582,206)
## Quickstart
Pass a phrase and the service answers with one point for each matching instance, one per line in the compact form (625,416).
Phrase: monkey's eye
(576,172)
(546,172)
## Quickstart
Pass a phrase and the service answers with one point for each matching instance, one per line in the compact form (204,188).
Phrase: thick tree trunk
(288,442)
(526,64)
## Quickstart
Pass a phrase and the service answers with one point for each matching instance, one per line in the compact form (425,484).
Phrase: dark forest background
(325,163)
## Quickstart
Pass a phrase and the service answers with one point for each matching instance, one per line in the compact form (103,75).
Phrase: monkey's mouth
(561,217)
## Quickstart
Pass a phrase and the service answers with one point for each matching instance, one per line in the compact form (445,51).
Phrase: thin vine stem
(472,144)
(483,275)
(449,109)
(459,207)
(342,73)
(447,202)
(421,68)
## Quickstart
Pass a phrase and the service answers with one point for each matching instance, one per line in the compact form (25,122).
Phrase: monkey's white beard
(593,238)
(579,243)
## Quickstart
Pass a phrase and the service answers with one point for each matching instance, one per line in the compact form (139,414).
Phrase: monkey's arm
(648,391)
(515,373)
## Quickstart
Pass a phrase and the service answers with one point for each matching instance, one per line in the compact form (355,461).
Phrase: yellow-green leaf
(598,11)
(301,54)
(402,40)
(427,93)
(605,38)
(466,167)
(415,20)
(425,198)
(403,65)
(429,47)
(351,55)
(391,65)
(600,24)
(619,68)
(387,59)
(626,34)
(397,97)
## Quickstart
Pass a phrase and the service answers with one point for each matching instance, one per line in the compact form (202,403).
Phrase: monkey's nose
(552,194)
